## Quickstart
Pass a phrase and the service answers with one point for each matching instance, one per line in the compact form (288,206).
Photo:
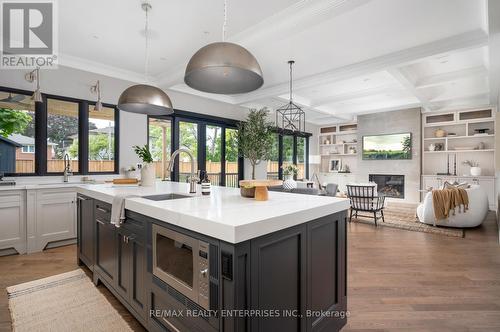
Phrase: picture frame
(334,165)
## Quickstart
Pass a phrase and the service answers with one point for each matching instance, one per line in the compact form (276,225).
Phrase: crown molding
(70,61)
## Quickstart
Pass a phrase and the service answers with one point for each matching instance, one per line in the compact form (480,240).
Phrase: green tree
(100,147)
(13,121)
(255,137)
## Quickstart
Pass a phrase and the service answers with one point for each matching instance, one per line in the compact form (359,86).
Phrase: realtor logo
(28,34)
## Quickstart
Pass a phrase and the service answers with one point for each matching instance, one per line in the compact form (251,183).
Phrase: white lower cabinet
(53,222)
(12,221)
(486,182)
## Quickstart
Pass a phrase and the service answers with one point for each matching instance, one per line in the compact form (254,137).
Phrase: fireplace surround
(389,185)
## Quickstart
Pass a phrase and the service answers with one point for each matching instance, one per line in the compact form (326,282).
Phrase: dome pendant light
(143,98)
(223,68)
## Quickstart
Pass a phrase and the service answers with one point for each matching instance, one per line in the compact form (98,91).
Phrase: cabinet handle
(100,221)
(102,210)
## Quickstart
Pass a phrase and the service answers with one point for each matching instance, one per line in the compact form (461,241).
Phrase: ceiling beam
(494,51)
(470,100)
(467,40)
(440,79)
(409,84)
(353,95)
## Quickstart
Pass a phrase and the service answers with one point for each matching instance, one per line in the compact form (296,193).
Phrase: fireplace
(389,185)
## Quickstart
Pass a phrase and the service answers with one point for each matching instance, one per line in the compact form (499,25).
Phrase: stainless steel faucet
(193,179)
(67,167)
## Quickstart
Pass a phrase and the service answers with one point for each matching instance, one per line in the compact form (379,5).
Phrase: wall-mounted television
(387,147)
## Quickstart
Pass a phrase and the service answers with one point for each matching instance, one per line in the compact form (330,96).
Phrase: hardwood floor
(398,280)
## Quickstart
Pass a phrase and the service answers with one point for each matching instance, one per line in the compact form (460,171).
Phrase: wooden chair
(363,199)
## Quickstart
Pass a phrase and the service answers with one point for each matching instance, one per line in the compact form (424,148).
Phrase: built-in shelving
(338,142)
(465,126)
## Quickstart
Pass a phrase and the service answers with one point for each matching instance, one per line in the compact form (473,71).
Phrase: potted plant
(255,141)
(148,171)
(475,170)
(289,172)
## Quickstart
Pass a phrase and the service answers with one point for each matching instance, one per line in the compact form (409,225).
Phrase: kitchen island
(220,262)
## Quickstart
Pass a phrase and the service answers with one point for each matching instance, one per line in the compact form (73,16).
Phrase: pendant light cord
(224,26)
(291,98)
(146,33)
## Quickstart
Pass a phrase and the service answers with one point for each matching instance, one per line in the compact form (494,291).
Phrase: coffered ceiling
(352,56)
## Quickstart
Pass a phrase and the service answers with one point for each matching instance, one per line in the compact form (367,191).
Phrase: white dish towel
(118,209)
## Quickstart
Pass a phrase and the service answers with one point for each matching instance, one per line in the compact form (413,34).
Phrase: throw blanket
(446,200)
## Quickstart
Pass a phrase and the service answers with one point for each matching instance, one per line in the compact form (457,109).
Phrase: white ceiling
(352,56)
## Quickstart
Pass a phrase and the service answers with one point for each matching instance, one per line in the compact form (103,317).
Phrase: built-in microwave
(183,263)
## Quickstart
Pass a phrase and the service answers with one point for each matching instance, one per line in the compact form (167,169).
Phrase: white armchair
(474,216)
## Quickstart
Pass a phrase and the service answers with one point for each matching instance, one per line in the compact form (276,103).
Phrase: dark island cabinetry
(290,280)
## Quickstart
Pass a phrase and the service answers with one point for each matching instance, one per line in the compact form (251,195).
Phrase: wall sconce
(31,77)
(97,89)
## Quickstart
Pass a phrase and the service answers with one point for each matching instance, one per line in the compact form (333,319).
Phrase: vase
(440,133)
(148,175)
(289,183)
(475,171)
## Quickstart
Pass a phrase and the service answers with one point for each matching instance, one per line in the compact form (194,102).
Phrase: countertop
(224,214)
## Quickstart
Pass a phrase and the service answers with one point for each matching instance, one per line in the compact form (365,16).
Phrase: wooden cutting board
(261,192)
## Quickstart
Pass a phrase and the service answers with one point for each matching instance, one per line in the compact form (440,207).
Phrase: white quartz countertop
(224,214)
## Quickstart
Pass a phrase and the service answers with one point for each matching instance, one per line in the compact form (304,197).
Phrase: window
(62,134)
(17,142)
(232,167)
(289,148)
(36,145)
(188,138)
(101,140)
(213,159)
(273,162)
(28,149)
(213,142)
(301,157)
(160,144)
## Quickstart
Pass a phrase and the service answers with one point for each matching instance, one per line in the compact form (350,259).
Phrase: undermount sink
(165,197)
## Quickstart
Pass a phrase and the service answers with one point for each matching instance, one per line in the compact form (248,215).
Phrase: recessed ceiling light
(95,36)
(163,58)
(443,62)
(366,80)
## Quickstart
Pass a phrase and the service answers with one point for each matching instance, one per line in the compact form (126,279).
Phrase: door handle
(102,210)
(170,325)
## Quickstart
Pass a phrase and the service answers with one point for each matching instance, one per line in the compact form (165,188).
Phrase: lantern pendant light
(223,67)
(290,117)
(144,98)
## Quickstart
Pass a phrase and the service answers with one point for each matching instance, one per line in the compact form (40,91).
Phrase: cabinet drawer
(134,224)
(103,211)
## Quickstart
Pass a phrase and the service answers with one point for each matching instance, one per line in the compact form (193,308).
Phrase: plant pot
(475,171)
(440,133)
(148,175)
(247,192)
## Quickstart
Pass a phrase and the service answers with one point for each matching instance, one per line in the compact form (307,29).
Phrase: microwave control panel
(204,276)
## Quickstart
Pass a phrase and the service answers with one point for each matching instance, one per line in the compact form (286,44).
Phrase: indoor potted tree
(148,171)
(255,141)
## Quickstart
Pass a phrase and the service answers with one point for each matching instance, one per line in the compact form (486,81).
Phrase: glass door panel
(160,145)
(213,160)
(301,158)
(188,138)
(287,151)
(273,162)
(232,170)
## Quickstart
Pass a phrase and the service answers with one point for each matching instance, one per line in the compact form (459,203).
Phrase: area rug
(64,302)
(403,216)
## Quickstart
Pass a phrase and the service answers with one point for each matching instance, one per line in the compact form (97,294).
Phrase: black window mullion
(202,146)
(117,140)
(83,137)
(223,157)
(294,152)
(306,157)
(280,157)
(41,137)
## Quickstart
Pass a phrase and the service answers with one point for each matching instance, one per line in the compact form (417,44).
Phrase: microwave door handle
(170,325)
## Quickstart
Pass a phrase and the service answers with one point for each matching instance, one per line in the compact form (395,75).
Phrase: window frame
(295,135)
(201,120)
(41,114)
